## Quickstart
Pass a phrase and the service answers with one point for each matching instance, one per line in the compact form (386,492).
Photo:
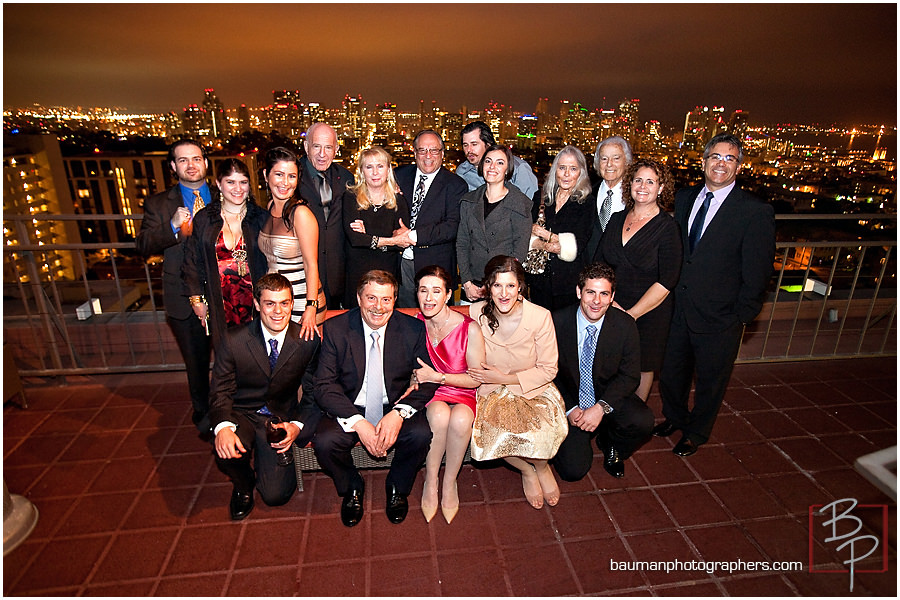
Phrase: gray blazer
(506,231)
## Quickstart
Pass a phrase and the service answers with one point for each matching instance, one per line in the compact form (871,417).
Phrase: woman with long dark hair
(521,415)
(290,239)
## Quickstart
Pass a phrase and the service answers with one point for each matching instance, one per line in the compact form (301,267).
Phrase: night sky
(834,63)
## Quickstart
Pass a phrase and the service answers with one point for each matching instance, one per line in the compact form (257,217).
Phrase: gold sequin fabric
(511,425)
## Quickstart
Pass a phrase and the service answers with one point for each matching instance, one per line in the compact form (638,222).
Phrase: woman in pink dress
(454,344)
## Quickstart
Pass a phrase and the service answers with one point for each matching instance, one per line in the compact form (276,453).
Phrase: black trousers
(195,348)
(333,445)
(708,356)
(627,428)
(258,466)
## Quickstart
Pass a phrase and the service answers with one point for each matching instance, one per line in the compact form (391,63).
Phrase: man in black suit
(432,193)
(368,356)
(612,158)
(256,382)
(322,185)
(167,223)
(729,245)
(600,341)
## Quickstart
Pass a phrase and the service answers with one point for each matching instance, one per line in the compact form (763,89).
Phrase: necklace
(438,329)
(628,226)
(239,252)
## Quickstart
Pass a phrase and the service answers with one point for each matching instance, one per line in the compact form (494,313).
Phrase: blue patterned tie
(697,227)
(374,383)
(273,355)
(586,369)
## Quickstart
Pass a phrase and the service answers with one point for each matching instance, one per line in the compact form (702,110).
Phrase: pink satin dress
(449,356)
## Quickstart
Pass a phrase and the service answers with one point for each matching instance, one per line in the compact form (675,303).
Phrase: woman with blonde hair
(372,213)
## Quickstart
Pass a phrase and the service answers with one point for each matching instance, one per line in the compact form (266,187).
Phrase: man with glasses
(729,245)
(432,193)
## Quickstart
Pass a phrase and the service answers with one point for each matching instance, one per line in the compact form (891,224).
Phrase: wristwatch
(313,303)
(606,407)
(404,413)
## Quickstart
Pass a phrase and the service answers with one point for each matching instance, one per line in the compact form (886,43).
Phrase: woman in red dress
(454,344)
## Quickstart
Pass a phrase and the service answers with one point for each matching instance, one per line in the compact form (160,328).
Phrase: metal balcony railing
(99,310)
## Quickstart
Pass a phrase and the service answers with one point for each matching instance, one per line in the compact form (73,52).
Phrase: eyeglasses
(729,158)
(427,151)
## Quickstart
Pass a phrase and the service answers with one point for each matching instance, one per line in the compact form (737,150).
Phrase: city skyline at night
(782,63)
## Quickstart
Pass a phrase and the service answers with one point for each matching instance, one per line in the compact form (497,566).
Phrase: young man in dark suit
(729,245)
(599,371)
(368,356)
(167,223)
(257,377)
(432,193)
(322,184)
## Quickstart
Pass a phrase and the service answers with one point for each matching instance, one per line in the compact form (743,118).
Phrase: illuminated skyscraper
(214,114)
(353,122)
(193,122)
(285,113)
(738,123)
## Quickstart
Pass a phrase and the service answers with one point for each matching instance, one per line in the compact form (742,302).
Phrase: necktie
(606,210)
(417,201)
(374,383)
(273,355)
(325,195)
(697,227)
(198,202)
(586,369)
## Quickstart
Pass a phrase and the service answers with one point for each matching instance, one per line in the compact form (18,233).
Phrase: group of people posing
(577,296)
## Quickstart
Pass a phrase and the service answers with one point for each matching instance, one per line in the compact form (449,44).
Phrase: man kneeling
(256,385)
(368,356)
(599,370)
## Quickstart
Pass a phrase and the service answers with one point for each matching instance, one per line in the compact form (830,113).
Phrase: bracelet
(443,378)
(197,300)
(374,244)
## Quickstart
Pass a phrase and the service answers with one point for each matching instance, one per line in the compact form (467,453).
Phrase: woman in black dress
(371,214)
(643,245)
(568,220)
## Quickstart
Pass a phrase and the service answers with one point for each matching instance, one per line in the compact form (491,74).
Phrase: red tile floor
(131,504)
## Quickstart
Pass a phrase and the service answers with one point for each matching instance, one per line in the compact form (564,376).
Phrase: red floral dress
(237,290)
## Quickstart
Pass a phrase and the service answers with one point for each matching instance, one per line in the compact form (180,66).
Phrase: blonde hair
(362,190)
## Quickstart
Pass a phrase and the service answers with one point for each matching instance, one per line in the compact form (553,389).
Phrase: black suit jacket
(724,279)
(242,381)
(156,237)
(331,232)
(617,360)
(342,362)
(438,219)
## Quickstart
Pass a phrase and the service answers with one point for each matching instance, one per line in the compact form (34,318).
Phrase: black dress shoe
(665,429)
(613,462)
(241,504)
(352,508)
(397,506)
(685,447)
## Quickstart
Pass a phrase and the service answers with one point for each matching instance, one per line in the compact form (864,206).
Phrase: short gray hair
(618,140)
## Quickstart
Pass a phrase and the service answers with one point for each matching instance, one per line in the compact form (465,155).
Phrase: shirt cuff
(223,425)
(414,236)
(408,408)
(348,423)
(298,424)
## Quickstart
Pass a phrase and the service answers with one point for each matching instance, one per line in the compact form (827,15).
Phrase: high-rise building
(214,115)
(738,123)
(700,125)
(243,119)
(193,122)
(353,122)
(34,183)
(629,118)
(285,114)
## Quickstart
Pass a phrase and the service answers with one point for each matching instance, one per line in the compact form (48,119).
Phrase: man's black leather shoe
(397,506)
(241,504)
(352,508)
(685,447)
(665,429)
(613,462)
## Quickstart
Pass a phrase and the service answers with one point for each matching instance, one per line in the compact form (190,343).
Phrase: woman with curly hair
(643,245)
(222,260)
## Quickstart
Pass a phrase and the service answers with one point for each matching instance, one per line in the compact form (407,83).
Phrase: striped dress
(284,257)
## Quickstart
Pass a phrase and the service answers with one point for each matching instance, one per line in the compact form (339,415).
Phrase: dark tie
(417,201)
(198,202)
(325,194)
(606,210)
(697,227)
(374,383)
(273,355)
(586,369)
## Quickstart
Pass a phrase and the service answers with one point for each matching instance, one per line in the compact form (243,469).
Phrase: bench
(305,458)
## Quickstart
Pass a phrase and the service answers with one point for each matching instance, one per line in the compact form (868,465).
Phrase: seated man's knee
(570,472)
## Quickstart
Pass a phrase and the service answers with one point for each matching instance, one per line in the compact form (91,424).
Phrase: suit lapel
(256,347)
(357,344)
(291,344)
(568,351)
